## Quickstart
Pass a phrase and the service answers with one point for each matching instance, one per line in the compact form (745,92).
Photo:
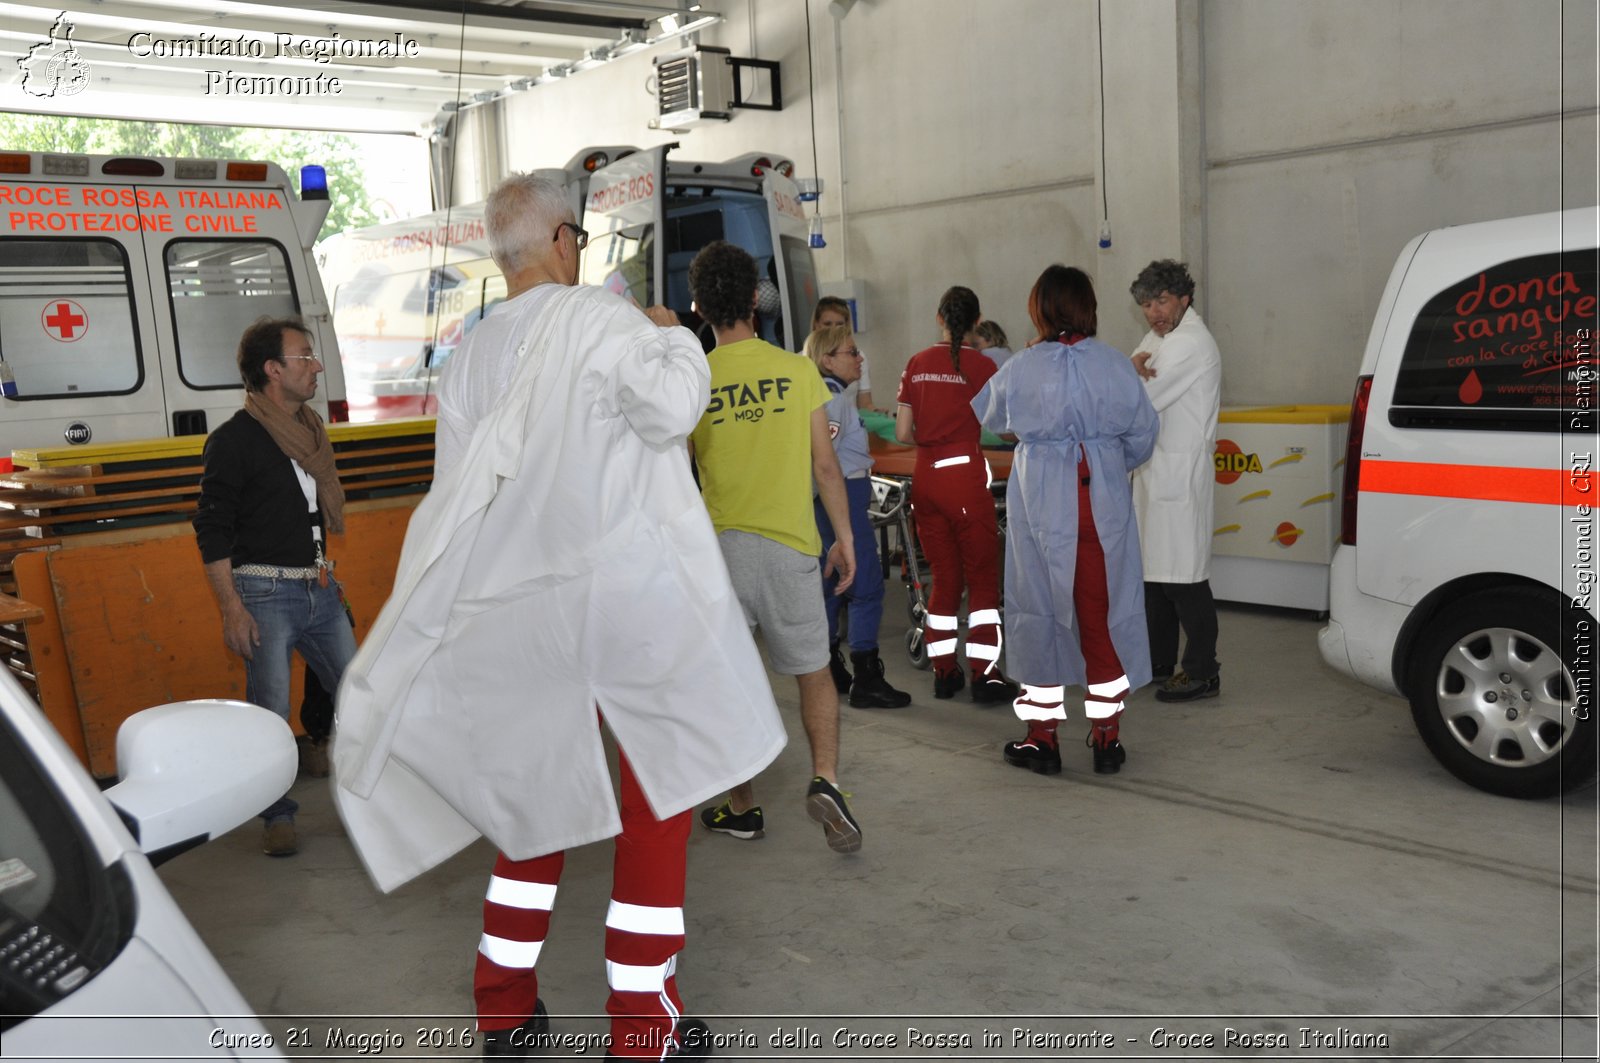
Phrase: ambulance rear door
(77,317)
(623,212)
(229,254)
(791,252)
(406,295)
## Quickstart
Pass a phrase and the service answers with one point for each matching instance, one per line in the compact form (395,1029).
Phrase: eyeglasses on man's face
(300,358)
(581,235)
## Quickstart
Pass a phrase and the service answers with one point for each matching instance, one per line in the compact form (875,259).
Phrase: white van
(405,294)
(125,284)
(1465,578)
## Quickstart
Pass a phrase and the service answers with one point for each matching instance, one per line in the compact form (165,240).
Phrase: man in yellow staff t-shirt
(762,439)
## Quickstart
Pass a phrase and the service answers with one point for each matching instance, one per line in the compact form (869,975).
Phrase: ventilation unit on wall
(693,86)
(707,84)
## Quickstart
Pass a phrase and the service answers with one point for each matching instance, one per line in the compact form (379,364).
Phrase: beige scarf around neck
(303,438)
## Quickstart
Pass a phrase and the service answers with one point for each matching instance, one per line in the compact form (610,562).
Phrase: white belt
(959,459)
(276,571)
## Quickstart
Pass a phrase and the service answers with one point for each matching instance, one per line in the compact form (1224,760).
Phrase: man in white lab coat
(1182,372)
(562,563)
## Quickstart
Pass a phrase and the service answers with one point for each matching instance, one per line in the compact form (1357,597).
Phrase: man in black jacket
(269,496)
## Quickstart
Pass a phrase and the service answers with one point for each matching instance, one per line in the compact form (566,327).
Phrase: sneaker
(516,1042)
(278,839)
(313,756)
(994,688)
(825,804)
(870,689)
(1181,688)
(723,819)
(946,686)
(1044,759)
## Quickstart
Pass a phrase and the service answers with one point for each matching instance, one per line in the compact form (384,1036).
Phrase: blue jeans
(293,614)
(865,596)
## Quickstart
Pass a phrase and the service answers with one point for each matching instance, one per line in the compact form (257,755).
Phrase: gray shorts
(781,592)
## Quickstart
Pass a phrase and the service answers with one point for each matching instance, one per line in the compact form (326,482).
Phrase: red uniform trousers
(644,931)
(961,540)
(1105,680)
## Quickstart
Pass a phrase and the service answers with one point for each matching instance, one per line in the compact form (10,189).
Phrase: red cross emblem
(64,320)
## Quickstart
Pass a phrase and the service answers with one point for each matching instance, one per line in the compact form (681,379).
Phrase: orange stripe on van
(1485,483)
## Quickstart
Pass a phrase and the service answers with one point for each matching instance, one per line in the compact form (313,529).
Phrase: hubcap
(1505,696)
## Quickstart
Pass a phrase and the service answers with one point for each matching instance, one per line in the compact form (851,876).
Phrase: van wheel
(1492,694)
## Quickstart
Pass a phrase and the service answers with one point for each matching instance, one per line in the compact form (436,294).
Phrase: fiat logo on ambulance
(77,434)
(1232,462)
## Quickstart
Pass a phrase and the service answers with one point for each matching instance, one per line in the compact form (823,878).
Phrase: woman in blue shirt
(839,360)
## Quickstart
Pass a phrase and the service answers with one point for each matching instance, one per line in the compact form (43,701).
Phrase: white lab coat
(1172,491)
(565,561)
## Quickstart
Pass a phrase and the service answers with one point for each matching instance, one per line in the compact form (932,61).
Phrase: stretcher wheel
(915,610)
(916,649)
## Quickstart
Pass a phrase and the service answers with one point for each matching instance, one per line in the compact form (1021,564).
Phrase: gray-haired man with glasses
(561,577)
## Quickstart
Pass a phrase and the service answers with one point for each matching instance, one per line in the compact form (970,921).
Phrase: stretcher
(895,522)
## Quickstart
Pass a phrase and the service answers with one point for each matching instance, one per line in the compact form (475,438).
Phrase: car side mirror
(194,770)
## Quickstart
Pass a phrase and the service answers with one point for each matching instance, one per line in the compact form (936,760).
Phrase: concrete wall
(1336,132)
(1287,150)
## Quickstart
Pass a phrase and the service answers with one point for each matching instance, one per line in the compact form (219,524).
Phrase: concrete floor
(1286,856)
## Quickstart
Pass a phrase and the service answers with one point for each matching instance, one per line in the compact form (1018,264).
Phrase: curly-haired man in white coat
(1182,372)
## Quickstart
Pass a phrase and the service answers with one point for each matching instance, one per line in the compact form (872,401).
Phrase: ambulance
(125,284)
(407,293)
(1465,576)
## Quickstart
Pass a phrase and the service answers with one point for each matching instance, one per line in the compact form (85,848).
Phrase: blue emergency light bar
(313,182)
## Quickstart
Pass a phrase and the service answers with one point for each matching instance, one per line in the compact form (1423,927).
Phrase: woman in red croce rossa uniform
(951,499)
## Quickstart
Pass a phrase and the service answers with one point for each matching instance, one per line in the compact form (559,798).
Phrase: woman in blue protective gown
(1074,584)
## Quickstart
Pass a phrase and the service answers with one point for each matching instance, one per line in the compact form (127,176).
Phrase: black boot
(694,1042)
(1109,755)
(947,684)
(992,688)
(1037,752)
(519,1042)
(841,674)
(871,690)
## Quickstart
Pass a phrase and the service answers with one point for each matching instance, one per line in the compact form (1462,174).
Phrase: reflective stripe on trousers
(1104,700)
(983,640)
(1040,703)
(644,931)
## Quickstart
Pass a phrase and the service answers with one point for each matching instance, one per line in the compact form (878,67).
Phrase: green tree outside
(289,148)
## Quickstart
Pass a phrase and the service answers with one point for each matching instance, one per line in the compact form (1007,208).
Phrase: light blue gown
(1054,398)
